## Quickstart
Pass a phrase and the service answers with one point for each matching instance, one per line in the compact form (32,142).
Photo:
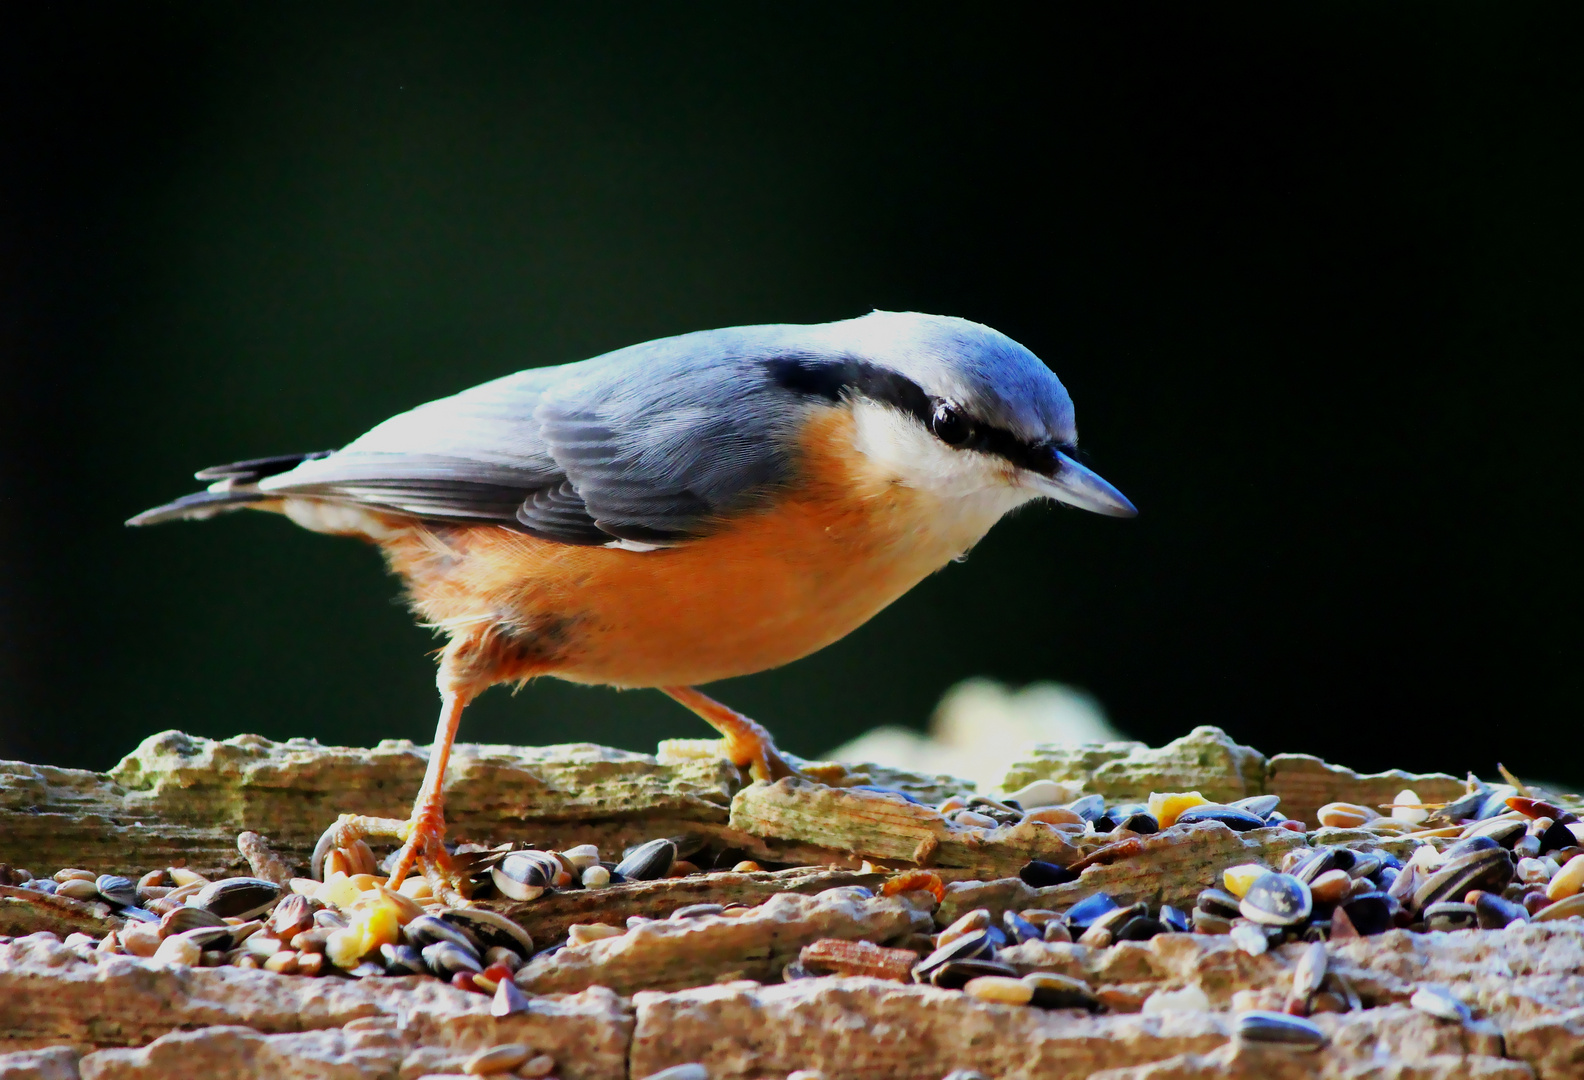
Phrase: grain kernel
(583,933)
(1341,815)
(1405,807)
(1331,886)
(497,1059)
(1568,880)
(78,889)
(345,948)
(1164,807)
(416,888)
(179,951)
(999,989)
(1237,879)
(141,939)
(337,891)
(537,1067)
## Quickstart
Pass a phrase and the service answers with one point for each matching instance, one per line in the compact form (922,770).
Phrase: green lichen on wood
(1209,761)
(1206,760)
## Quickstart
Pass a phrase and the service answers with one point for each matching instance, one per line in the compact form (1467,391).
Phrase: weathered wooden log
(1169,868)
(548,917)
(1208,761)
(755,944)
(78,1011)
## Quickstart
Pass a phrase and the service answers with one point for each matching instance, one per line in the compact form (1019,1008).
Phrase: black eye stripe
(831,379)
(834,379)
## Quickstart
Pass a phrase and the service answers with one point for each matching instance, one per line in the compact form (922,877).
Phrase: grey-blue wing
(474,457)
(653,443)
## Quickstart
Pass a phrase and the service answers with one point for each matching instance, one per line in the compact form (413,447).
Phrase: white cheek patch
(968,491)
(898,444)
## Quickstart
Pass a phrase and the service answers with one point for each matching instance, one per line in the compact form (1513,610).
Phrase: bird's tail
(233,487)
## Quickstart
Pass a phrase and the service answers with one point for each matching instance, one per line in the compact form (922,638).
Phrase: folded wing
(651,444)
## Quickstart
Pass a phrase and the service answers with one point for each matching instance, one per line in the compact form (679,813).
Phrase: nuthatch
(681,511)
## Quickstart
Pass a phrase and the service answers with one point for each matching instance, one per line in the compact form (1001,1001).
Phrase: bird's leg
(425,829)
(422,833)
(748,744)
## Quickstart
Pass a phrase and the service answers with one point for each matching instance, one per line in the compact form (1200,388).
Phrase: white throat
(966,491)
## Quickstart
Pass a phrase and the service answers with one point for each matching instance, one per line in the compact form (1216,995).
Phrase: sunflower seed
(956,974)
(972,946)
(116,889)
(1039,875)
(238,897)
(1274,1027)
(648,862)
(403,960)
(427,930)
(447,958)
(485,929)
(1233,818)
(1277,900)
(1440,1004)
(524,875)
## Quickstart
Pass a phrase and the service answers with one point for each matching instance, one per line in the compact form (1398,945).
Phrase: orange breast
(776,584)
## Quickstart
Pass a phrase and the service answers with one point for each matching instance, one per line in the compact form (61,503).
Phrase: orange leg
(421,833)
(748,745)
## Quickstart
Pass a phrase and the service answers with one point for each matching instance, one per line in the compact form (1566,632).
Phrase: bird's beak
(1077,486)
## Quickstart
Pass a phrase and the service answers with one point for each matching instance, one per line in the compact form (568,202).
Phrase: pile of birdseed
(1489,860)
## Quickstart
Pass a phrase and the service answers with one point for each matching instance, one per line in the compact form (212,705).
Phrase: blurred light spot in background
(981,727)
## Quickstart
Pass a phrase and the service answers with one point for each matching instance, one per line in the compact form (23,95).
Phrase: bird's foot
(752,748)
(422,837)
(745,743)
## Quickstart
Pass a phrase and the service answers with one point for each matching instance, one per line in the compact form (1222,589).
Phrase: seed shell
(1273,1027)
(648,862)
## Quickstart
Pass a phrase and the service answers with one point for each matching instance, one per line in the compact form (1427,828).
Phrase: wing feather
(654,444)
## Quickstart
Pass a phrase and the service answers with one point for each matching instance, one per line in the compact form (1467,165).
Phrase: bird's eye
(950,425)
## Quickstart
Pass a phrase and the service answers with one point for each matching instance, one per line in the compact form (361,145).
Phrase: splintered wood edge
(548,917)
(878,826)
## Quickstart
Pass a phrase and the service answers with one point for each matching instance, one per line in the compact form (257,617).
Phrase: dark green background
(1313,276)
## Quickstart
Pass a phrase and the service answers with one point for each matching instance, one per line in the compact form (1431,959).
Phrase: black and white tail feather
(231,487)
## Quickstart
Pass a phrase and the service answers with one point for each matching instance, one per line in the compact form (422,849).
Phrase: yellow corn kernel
(345,947)
(1165,806)
(381,925)
(416,888)
(337,891)
(407,909)
(1237,879)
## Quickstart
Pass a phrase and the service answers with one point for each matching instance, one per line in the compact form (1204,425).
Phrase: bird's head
(956,409)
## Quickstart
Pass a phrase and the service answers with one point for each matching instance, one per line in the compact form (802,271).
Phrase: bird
(677,512)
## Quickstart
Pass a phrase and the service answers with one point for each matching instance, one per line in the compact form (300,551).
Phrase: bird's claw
(753,749)
(421,837)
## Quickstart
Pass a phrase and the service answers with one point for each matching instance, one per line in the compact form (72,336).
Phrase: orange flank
(773,584)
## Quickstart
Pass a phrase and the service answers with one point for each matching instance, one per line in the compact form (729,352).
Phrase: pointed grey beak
(1077,486)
